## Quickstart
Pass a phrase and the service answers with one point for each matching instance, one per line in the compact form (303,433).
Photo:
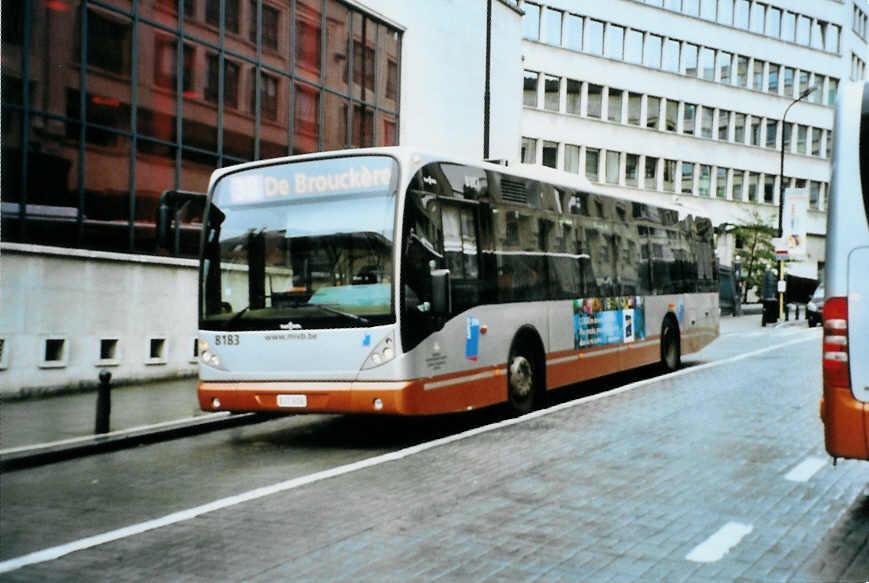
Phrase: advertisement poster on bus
(601,321)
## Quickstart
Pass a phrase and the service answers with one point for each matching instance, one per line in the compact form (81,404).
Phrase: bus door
(460,216)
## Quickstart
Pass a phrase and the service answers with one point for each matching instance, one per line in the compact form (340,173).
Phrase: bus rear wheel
(671,351)
(523,380)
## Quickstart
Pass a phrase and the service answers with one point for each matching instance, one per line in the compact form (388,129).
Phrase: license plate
(296,401)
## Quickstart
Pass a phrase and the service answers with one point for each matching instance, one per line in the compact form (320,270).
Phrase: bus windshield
(303,245)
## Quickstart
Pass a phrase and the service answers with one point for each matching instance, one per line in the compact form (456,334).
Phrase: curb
(47,453)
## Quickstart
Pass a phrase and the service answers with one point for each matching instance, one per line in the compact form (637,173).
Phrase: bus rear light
(835,350)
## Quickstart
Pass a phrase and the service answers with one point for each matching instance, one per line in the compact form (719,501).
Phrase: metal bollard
(104,403)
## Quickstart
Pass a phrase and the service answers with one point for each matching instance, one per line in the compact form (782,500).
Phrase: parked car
(815,307)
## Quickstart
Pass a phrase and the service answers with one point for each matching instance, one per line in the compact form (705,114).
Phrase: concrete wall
(66,301)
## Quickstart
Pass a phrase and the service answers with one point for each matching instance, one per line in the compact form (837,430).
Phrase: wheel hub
(521,376)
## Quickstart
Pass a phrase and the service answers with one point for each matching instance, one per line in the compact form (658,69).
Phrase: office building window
(615,42)
(529,93)
(706,122)
(707,9)
(670,59)
(802,139)
(788,26)
(757,74)
(651,173)
(803,30)
(725,12)
(571,158)
(653,111)
(573,32)
(816,141)
(753,184)
(592,164)
(550,154)
(595,100)
(736,186)
(529,151)
(531,21)
(723,124)
(652,51)
(725,61)
(707,64)
(635,103)
(634,47)
(689,54)
(772,84)
(551,92)
(672,118)
(614,105)
(769,189)
(687,178)
(593,42)
(773,22)
(669,176)
(632,169)
(704,180)
(754,131)
(814,194)
(756,23)
(574,96)
(613,161)
(691,7)
(721,183)
(789,82)
(771,133)
(741,71)
(740,14)
(551,28)
(689,113)
(739,128)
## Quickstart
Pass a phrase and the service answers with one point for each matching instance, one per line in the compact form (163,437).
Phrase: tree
(755,250)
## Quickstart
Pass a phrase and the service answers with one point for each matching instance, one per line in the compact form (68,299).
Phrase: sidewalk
(54,418)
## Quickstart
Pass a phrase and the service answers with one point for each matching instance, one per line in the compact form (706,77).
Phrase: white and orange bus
(392,281)
(845,400)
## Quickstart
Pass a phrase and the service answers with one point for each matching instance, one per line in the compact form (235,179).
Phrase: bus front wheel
(523,380)
(671,351)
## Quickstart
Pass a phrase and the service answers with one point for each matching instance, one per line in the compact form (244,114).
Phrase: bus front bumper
(384,397)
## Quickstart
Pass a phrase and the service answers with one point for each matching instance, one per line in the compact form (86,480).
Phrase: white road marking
(807,469)
(56,552)
(720,543)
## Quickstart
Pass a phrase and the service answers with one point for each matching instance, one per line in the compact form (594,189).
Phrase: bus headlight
(382,353)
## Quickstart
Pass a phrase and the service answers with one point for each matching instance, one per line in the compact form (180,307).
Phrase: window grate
(514,191)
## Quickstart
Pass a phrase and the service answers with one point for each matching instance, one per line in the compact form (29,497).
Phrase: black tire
(671,349)
(523,380)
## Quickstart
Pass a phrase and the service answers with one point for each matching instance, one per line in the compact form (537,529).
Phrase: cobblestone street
(715,473)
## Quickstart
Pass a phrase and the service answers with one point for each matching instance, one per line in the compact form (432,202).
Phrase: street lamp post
(781,197)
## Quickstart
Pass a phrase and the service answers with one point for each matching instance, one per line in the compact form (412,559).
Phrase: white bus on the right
(845,400)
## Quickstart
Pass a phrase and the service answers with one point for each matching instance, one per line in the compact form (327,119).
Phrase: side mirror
(170,202)
(442,303)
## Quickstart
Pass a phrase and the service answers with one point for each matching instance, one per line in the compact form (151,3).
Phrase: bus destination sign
(323,177)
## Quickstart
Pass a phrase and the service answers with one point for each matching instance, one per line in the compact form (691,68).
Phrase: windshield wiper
(236,316)
(331,310)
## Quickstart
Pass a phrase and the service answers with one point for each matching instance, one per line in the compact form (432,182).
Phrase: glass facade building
(107,103)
